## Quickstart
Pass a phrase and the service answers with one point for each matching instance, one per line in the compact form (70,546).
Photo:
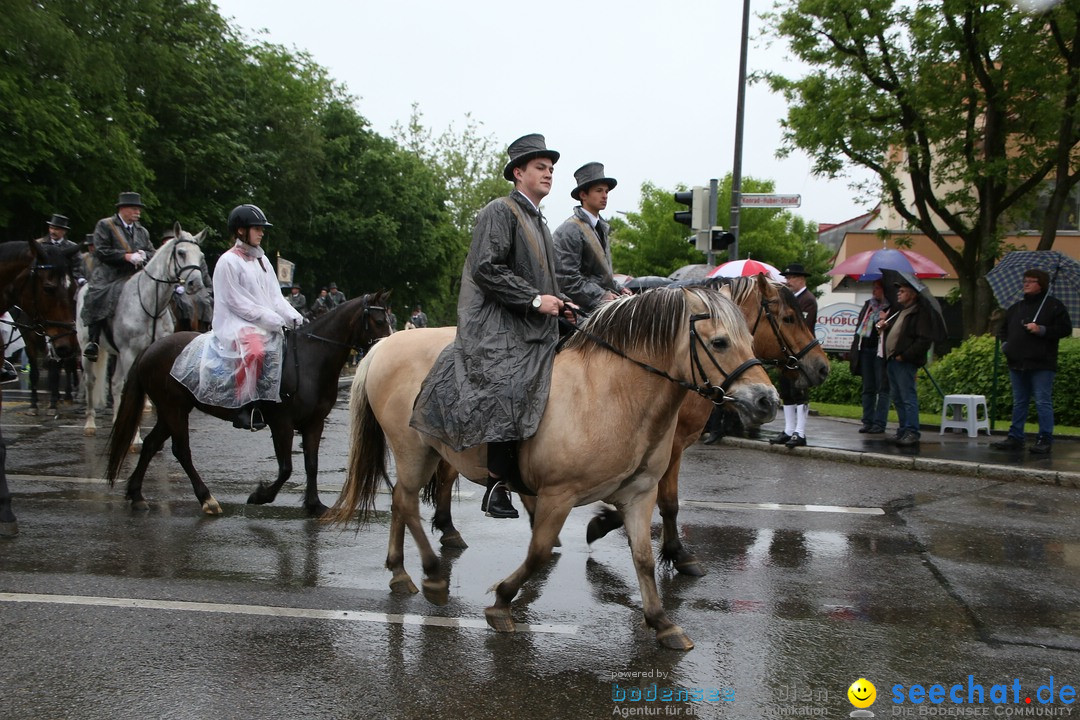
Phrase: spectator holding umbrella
(1030,335)
(909,332)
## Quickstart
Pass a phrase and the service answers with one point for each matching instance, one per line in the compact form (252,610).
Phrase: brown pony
(312,362)
(606,433)
(780,337)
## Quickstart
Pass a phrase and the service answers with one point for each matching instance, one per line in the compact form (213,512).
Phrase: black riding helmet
(245,216)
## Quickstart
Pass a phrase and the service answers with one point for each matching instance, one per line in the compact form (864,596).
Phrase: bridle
(37,324)
(717,394)
(181,275)
(793,359)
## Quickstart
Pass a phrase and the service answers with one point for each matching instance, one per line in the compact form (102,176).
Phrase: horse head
(44,294)
(179,261)
(372,323)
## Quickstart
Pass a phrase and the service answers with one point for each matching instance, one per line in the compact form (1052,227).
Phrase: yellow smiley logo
(862,693)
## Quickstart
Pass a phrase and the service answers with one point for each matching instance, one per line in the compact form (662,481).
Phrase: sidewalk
(953,452)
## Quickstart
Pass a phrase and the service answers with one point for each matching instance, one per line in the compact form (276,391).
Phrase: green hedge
(969,370)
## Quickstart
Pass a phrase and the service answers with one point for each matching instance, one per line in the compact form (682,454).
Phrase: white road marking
(272,611)
(783,506)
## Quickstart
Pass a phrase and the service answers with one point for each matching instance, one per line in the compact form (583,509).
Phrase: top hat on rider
(249,314)
(122,247)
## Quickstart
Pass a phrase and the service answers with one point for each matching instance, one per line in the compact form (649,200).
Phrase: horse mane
(12,249)
(743,286)
(654,321)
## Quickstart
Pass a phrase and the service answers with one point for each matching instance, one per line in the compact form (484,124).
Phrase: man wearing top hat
(335,296)
(582,244)
(58,229)
(297,299)
(121,247)
(508,313)
(797,400)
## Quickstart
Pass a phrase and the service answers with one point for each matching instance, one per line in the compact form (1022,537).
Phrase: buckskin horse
(578,455)
(35,279)
(780,338)
(312,361)
(142,316)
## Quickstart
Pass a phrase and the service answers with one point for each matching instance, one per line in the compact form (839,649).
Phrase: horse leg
(406,506)
(638,516)
(282,435)
(312,435)
(35,375)
(400,582)
(8,525)
(529,503)
(443,520)
(53,371)
(154,442)
(672,551)
(181,447)
(93,381)
(547,522)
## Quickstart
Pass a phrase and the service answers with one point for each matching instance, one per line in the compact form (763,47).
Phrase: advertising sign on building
(836,324)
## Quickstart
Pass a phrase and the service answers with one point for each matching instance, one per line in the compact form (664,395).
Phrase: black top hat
(129,199)
(89,239)
(59,221)
(295,286)
(795,269)
(524,149)
(589,174)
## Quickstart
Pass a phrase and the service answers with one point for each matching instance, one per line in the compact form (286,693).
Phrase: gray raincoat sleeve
(491,384)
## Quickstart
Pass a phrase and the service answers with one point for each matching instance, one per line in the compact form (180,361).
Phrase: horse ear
(201,236)
(762,283)
(72,250)
(176,229)
(37,250)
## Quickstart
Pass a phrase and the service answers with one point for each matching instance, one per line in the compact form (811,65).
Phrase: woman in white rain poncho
(238,364)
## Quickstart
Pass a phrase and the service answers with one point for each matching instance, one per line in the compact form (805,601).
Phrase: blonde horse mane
(654,322)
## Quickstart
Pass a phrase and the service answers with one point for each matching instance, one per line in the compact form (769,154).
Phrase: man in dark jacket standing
(1030,334)
(909,333)
(583,244)
(121,247)
(797,400)
(491,384)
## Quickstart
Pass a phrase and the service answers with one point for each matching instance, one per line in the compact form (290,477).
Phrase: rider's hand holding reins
(136,258)
(550,305)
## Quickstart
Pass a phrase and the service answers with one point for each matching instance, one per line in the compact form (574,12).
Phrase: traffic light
(697,217)
(720,239)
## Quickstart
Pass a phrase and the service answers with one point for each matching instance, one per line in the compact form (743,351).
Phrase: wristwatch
(536,302)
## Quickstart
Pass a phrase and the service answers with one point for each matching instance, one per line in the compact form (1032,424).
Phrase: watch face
(536,302)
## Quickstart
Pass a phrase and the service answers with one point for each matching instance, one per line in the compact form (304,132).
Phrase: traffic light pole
(710,257)
(736,165)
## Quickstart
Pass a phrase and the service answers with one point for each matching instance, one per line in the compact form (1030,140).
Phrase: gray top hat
(333,286)
(128,199)
(59,221)
(590,174)
(795,269)
(524,149)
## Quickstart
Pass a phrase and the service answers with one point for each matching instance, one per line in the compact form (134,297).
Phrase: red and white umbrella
(746,268)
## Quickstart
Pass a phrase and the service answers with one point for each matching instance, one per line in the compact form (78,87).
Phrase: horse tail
(126,420)
(367,454)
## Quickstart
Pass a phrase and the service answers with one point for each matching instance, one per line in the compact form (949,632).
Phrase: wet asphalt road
(905,578)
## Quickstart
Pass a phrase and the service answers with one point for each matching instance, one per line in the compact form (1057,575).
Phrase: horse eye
(789,319)
(720,343)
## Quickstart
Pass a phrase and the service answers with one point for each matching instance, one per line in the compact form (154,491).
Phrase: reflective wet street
(819,573)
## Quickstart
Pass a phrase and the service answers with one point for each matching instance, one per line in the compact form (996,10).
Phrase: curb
(1058,478)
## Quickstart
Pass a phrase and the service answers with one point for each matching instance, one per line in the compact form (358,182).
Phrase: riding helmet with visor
(245,216)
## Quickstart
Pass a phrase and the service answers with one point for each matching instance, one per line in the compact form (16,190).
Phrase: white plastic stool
(965,414)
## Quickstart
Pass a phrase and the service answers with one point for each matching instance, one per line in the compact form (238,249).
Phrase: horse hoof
(499,619)
(437,592)
(557,543)
(140,505)
(211,506)
(32,411)
(453,540)
(402,584)
(690,567)
(9,529)
(316,510)
(674,639)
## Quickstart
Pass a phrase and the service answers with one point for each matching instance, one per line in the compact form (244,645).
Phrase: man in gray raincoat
(582,247)
(491,384)
(121,247)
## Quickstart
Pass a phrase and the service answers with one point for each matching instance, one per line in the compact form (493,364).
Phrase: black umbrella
(645,282)
(889,279)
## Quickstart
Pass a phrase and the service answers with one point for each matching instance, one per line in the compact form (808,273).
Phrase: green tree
(961,108)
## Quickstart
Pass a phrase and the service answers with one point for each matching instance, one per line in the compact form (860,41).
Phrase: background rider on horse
(238,364)
(121,247)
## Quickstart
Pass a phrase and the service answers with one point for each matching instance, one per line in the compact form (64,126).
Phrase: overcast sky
(648,88)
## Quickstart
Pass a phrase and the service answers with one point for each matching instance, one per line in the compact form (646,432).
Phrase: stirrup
(90,352)
(8,373)
(497,502)
(249,417)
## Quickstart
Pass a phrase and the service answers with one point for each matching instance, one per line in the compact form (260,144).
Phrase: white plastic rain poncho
(240,360)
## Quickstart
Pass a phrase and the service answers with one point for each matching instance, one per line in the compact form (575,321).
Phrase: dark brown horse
(36,284)
(312,361)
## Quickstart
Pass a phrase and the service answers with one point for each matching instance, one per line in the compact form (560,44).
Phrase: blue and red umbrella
(867,266)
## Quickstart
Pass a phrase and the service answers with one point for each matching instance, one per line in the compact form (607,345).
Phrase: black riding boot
(501,462)
(90,352)
(249,417)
